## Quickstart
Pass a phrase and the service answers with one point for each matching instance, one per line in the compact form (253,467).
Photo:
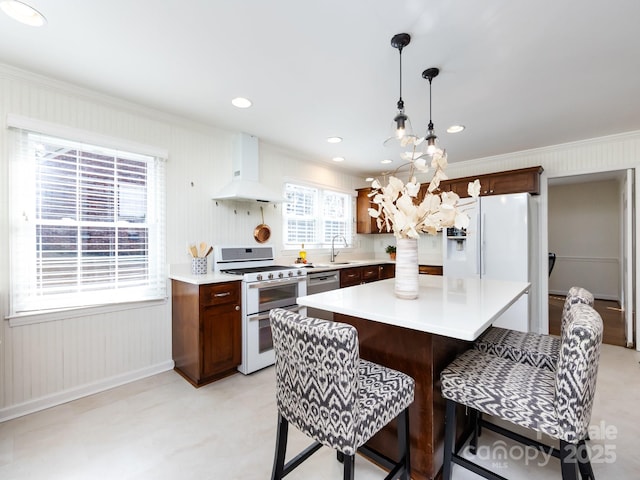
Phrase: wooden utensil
(203,249)
(194,251)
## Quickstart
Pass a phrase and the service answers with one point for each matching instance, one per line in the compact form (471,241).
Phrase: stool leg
(281,448)
(449,439)
(584,465)
(404,443)
(568,460)
(349,466)
(475,420)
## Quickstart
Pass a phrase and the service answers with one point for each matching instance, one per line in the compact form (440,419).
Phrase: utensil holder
(199,265)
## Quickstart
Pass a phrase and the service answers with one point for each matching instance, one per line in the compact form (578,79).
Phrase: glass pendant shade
(401,133)
(431,146)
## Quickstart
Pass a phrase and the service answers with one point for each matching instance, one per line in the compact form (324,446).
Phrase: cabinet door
(388,270)
(461,188)
(350,277)
(364,222)
(220,338)
(370,273)
(514,183)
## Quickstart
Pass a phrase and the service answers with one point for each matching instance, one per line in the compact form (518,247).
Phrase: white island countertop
(454,307)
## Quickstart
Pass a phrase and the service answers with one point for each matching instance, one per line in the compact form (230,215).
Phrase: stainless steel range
(265,285)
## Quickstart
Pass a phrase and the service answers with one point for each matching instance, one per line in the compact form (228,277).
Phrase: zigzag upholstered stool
(531,348)
(557,403)
(325,390)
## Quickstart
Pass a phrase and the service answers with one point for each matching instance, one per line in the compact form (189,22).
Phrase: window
(314,216)
(87,224)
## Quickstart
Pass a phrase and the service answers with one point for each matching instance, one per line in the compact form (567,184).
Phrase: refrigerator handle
(483,263)
(478,251)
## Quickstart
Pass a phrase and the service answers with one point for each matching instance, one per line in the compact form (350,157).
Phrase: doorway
(590,231)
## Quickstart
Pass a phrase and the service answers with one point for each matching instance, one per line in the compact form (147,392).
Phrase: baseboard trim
(80,391)
(560,293)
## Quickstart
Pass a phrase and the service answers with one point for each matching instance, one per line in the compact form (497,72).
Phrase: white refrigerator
(496,245)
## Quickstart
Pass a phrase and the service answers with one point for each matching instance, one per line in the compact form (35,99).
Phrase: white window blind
(88,224)
(313,216)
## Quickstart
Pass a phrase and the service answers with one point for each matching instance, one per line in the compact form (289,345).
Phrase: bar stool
(527,347)
(325,390)
(557,403)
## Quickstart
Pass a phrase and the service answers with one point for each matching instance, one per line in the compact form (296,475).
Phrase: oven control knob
(280,275)
(270,276)
(290,273)
(299,272)
(259,277)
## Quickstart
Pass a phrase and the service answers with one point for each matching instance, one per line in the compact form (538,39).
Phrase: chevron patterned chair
(557,404)
(325,390)
(527,347)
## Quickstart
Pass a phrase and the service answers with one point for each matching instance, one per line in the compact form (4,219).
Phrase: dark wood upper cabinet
(364,222)
(523,180)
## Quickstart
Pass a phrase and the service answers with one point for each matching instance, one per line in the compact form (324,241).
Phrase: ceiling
(518,75)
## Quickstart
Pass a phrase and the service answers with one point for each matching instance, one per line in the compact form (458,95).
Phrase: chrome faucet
(334,254)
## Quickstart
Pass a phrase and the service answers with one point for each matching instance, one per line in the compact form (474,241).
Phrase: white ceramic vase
(406,281)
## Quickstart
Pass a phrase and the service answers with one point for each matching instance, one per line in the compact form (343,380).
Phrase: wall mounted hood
(245,185)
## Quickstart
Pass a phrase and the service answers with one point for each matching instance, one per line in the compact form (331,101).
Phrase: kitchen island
(419,337)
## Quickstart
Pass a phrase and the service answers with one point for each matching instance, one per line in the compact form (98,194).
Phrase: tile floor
(163,428)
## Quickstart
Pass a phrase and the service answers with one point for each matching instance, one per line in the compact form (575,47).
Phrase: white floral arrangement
(399,210)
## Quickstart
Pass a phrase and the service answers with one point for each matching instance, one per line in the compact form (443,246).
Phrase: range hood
(245,185)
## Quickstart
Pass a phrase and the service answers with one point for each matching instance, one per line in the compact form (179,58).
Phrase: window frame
(150,281)
(320,241)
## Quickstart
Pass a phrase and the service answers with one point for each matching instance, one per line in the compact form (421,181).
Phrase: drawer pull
(224,294)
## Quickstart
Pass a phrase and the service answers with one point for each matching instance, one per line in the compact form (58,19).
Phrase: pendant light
(401,132)
(431,138)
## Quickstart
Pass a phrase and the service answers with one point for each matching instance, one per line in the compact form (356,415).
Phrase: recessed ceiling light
(338,159)
(241,102)
(334,139)
(455,129)
(386,161)
(23,13)
(368,179)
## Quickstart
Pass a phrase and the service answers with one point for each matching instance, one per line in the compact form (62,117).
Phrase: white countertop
(454,307)
(183,273)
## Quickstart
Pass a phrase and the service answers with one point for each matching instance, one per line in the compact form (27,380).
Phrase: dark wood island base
(423,356)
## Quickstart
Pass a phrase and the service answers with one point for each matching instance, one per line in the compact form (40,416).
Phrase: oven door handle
(283,281)
(264,316)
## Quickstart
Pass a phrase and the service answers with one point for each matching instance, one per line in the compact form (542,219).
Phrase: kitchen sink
(333,264)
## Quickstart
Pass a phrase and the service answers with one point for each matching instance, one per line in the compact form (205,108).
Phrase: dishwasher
(322,282)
